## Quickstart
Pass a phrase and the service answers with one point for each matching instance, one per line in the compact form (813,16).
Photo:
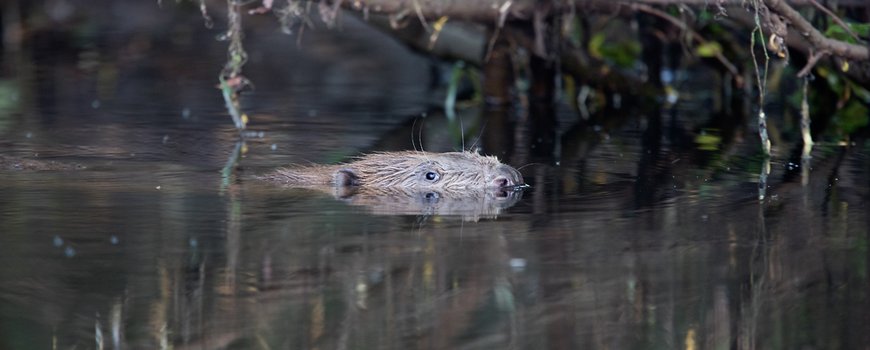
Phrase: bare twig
(437,27)
(205,17)
(835,18)
(761,80)
(502,17)
(420,16)
(231,79)
(693,34)
(811,62)
(806,134)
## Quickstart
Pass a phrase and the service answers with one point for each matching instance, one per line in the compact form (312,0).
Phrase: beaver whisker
(479,136)
(522,167)
(414,146)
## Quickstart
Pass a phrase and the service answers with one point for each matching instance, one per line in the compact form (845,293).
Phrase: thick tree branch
(491,11)
(816,38)
(488,10)
(474,10)
(858,70)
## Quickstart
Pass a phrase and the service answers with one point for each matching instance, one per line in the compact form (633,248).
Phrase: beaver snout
(506,176)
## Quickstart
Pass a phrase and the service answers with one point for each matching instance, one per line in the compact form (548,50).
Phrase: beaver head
(452,171)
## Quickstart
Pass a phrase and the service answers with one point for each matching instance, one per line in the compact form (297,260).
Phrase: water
(126,234)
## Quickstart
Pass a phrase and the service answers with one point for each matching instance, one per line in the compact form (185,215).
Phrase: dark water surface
(126,233)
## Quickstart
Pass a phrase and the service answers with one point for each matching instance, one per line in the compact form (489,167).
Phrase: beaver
(449,173)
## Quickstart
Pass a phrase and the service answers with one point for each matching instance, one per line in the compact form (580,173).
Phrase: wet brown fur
(457,171)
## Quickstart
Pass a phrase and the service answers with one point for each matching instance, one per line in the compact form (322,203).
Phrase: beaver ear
(344,192)
(345,177)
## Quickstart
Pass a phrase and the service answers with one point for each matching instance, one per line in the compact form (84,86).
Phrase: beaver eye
(432,176)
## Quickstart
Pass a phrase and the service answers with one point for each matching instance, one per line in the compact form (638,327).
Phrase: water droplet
(57,241)
(114,240)
(274,146)
(185,113)
(95,104)
(518,264)
(666,76)
(69,252)
(28,135)
(165,138)
(672,97)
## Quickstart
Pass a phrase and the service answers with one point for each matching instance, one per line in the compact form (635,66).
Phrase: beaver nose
(506,176)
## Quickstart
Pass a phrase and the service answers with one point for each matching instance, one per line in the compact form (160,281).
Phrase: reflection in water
(762,178)
(471,206)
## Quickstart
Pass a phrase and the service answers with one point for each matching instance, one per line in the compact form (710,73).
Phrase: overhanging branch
(488,11)
(818,40)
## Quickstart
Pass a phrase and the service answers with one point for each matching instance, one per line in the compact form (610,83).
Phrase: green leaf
(621,53)
(708,49)
(624,54)
(860,92)
(595,44)
(836,31)
(8,103)
(705,16)
(708,141)
(852,117)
